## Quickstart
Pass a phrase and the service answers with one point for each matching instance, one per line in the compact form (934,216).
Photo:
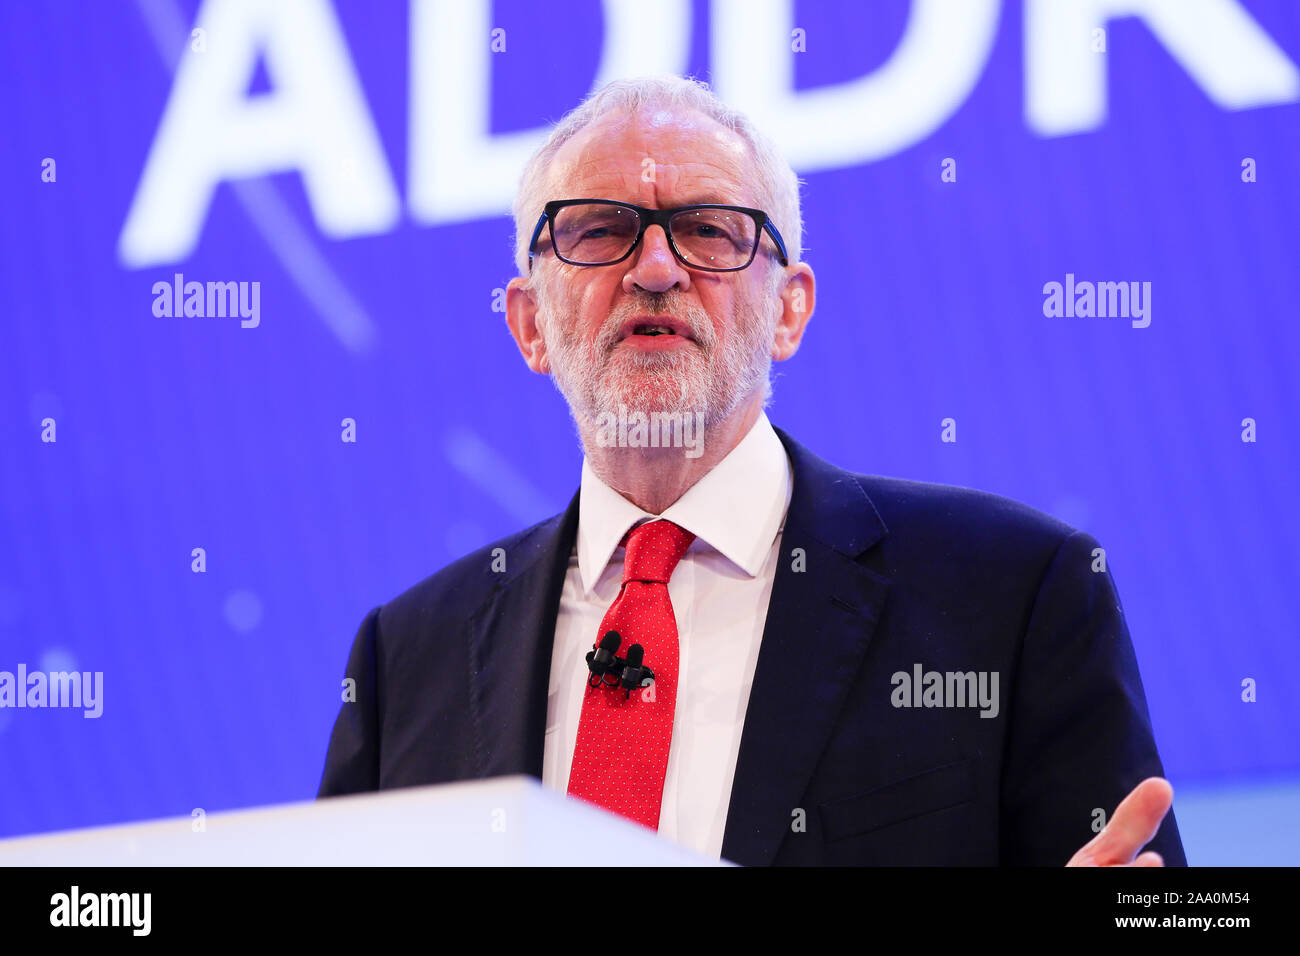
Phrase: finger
(1149,858)
(1134,823)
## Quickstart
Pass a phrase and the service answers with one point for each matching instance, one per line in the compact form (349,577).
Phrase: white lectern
(506,821)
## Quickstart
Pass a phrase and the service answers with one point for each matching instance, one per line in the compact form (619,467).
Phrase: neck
(654,478)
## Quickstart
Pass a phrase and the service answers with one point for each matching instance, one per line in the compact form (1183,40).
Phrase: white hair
(777,184)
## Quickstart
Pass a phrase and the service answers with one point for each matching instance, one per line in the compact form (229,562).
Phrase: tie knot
(653,550)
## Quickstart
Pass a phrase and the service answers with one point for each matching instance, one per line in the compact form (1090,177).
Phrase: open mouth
(656,326)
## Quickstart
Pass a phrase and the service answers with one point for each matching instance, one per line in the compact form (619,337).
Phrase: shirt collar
(737,508)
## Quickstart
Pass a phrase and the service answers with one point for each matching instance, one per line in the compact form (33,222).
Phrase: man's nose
(654,267)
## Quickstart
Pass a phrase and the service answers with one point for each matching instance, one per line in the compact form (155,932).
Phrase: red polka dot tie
(621,756)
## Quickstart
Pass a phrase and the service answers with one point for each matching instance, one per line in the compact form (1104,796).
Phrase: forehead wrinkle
(720,177)
(674,185)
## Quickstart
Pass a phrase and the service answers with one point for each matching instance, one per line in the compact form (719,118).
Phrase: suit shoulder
(467,582)
(956,514)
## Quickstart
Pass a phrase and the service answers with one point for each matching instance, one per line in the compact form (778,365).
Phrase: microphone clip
(610,670)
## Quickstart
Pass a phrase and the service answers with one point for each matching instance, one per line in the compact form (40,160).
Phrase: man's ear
(798,296)
(521,316)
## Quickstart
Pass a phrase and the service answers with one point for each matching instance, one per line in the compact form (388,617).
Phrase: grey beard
(704,378)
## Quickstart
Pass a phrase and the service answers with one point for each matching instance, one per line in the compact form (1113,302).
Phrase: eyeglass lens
(597,233)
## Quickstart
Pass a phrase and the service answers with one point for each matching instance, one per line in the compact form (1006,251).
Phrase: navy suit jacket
(877,575)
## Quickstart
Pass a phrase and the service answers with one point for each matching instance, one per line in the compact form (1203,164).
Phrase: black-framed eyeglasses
(602,232)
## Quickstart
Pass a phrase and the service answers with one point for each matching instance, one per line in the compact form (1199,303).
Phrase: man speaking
(725,638)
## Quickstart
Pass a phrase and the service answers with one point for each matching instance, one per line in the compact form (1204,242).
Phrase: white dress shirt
(720,592)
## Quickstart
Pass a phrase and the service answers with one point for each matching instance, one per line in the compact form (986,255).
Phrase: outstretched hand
(1133,825)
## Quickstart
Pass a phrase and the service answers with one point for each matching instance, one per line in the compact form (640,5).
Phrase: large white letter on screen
(937,63)
(313,120)
(1218,43)
(458,169)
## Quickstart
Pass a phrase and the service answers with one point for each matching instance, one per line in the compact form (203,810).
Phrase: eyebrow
(707,200)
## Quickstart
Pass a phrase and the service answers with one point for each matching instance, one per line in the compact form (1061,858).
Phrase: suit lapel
(511,637)
(823,611)
(820,620)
